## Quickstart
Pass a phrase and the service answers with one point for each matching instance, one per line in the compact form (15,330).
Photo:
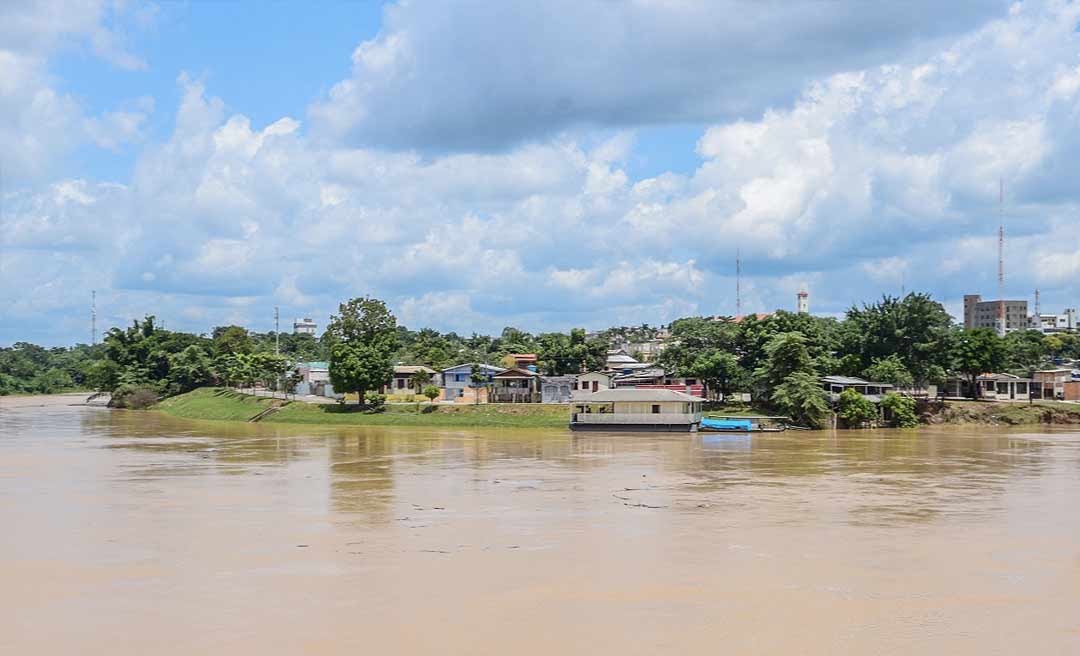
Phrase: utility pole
(93,317)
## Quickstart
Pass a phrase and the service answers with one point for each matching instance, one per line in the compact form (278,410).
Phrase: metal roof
(851,380)
(640,395)
(515,372)
(412,369)
(483,367)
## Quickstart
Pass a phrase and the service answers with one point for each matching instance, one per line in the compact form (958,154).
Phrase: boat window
(656,409)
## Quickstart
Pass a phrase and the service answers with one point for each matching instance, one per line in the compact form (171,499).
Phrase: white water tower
(802,303)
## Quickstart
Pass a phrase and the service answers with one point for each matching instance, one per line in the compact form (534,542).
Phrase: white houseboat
(630,409)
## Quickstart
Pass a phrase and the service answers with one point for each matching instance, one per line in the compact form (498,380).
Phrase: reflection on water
(128,530)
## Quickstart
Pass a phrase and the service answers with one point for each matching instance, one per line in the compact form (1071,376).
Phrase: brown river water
(132,533)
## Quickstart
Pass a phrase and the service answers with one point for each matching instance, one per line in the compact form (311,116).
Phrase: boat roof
(642,395)
(744,417)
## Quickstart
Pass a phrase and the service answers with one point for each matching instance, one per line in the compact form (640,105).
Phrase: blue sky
(540,164)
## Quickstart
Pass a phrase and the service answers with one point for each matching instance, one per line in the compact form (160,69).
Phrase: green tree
(357,367)
(477,380)
(363,338)
(802,398)
(902,409)
(1026,351)
(976,352)
(232,340)
(915,329)
(419,380)
(431,392)
(189,369)
(785,355)
(854,408)
(889,370)
(721,372)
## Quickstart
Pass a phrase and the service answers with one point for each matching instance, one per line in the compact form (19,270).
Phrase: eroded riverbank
(134,533)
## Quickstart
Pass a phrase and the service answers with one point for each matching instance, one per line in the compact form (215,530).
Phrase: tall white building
(304,326)
(802,303)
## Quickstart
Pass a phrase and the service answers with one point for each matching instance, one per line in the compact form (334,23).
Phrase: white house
(594,381)
(402,382)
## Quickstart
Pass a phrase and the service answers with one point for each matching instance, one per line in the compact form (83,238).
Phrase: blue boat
(736,424)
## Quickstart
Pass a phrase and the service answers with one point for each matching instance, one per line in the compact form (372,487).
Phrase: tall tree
(721,372)
(915,329)
(362,337)
(976,352)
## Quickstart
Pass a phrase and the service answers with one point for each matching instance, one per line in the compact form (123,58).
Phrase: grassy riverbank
(227,405)
(221,404)
(1006,414)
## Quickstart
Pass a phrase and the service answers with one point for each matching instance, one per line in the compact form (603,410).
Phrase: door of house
(595,386)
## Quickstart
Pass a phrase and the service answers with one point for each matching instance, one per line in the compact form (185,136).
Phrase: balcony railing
(514,396)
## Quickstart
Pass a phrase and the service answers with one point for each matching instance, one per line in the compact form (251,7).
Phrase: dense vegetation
(904,341)
(222,404)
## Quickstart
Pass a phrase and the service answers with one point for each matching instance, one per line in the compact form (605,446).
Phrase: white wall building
(304,326)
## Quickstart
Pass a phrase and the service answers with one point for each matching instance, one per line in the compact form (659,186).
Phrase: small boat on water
(741,424)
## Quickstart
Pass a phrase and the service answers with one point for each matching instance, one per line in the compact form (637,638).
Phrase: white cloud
(484,76)
(867,178)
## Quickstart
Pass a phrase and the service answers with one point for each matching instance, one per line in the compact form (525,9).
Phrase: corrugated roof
(483,367)
(851,380)
(640,395)
(412,369)
(516,373)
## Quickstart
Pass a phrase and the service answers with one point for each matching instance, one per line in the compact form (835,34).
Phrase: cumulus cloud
(865,181)
(488,75)
(38,123)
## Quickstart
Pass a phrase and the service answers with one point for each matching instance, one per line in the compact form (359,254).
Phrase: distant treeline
(903,341)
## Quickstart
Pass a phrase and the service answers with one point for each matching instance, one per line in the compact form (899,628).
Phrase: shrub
(431,392)
(855,409)
(374,401)
(133,397)
(902,409)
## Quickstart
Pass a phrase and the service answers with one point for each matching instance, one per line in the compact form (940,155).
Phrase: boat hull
(635,428)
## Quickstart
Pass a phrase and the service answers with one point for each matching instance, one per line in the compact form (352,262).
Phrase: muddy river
(131,533)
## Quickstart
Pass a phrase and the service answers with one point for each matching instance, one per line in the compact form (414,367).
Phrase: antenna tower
(1001,257)
(738,284)
(1038,312)
(93,317)
(277,332)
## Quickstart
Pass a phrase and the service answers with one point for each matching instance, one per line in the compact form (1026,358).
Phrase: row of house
(523,384)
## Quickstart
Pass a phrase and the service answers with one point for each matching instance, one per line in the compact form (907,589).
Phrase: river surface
(132,533)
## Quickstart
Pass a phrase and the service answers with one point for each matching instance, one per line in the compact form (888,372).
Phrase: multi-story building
(1055,323)
(987,314)
(304,326)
